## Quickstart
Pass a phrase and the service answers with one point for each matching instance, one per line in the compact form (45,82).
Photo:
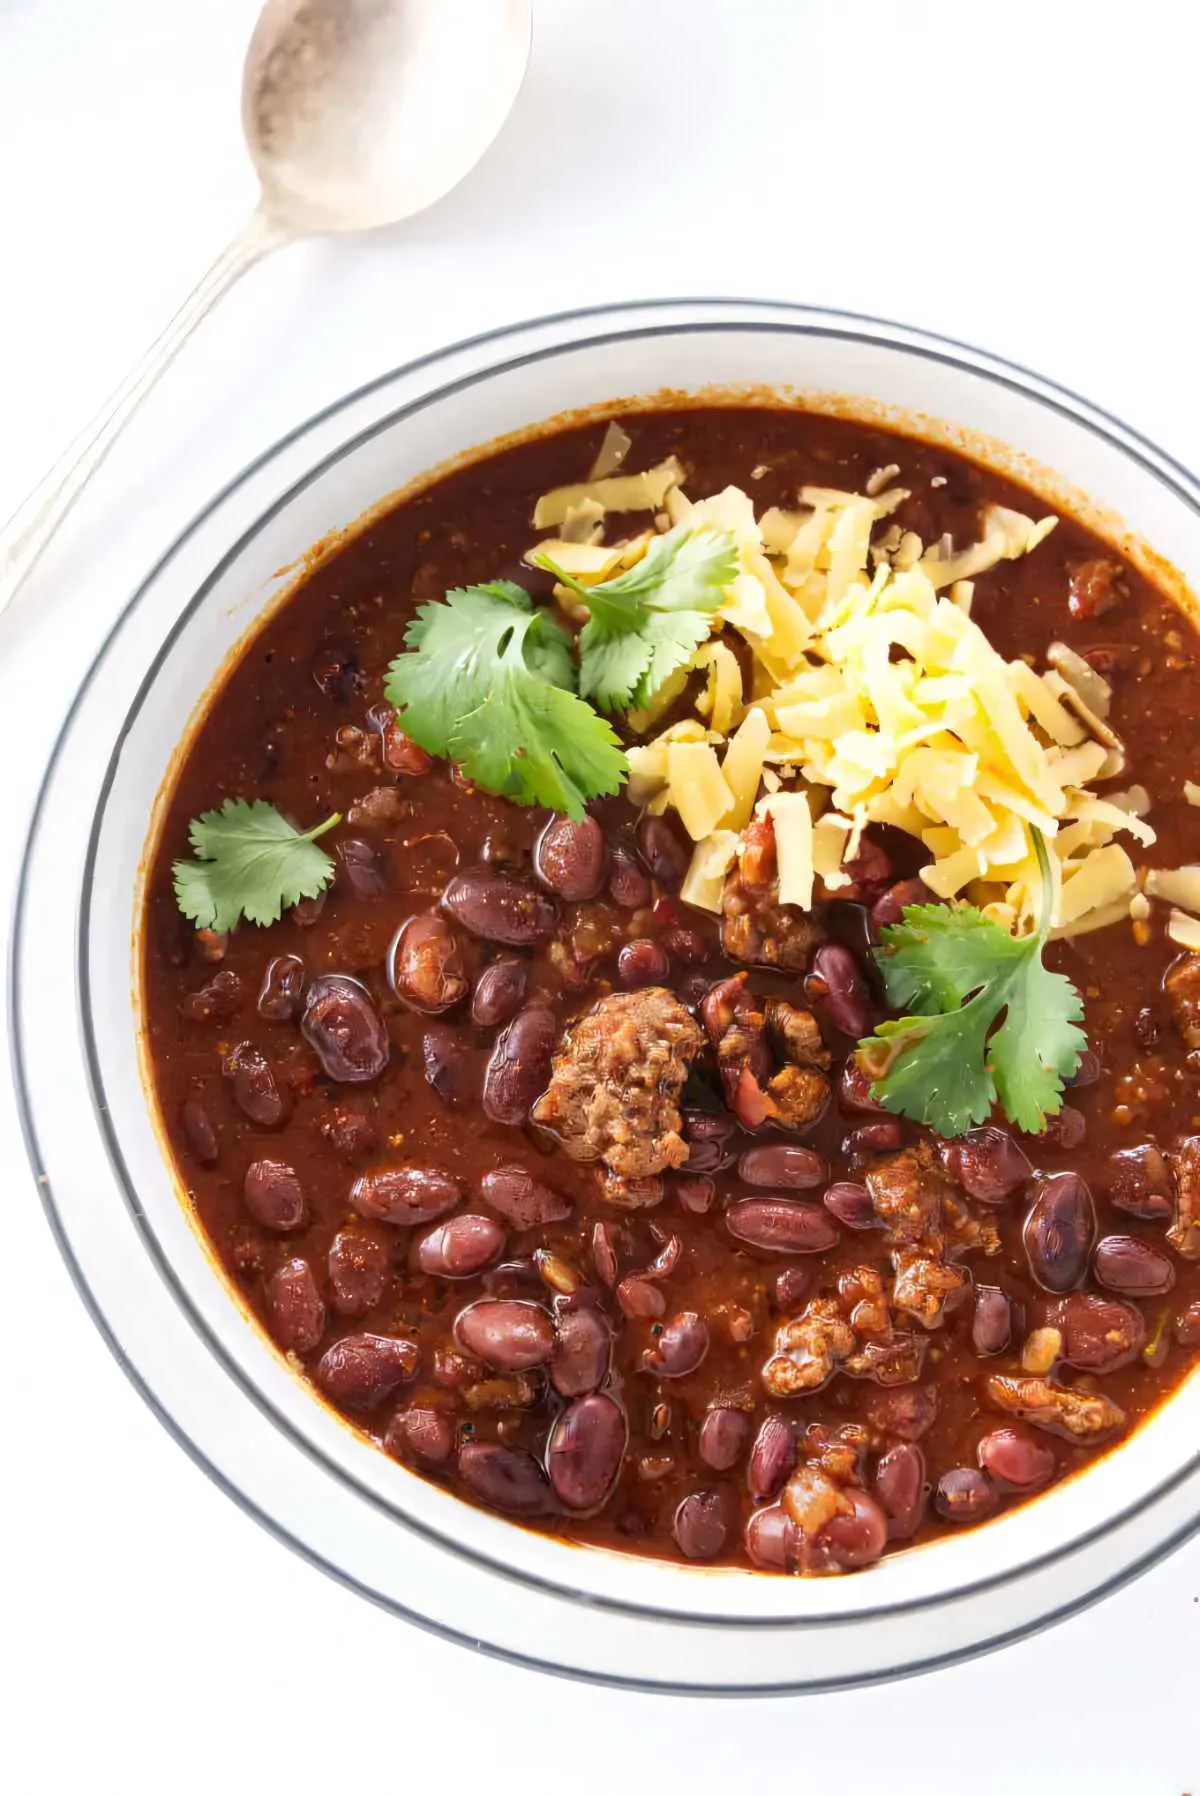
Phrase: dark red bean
(690,944)
(306,911)
(771,1539)
(507,1478)
(1087,1072)
(680,1348)
(571,859)
(708,1135)
(643,962)
(782,1167)
(778,1225)
(851,1204)
(639,1299)
(217,1002)
(358,1272)
(724,1437)
(425,965)
(695,1192)
(793,1285)
(282,989)
(523,1200)
(344,1029)
(361,1370)
(400,754)
(900,1488)
(883,1137)
(1099,1333)
(664,852)
(450,1066)
(514,1278)
(991,1323)
(362,868)
(890,905)
(405,1195)
(1132,1267)
(772,1458)
(1059,1230)
(426,1435)
(507,1333)
(1062,1133)
(499,992)
(253,1086)
(987,1163)
(701,1523)
(353,1138)
(964,1495)
(1139,1181)
(854,1089)
(274,1195)
(295,1309)
(628,885)
(461,1247)
(582,1351)
(585,1450)
(519,1069)
(1015,1459)
(1187,1325)
(908,1411)
(198,1131)
(859,1538)
(839,991)
(498,907)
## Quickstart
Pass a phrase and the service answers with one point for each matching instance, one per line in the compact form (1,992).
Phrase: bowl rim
(816,320)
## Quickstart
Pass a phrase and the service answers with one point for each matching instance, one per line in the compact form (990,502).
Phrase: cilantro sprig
(648,621)
(956,972)
(489,681)
(250,862)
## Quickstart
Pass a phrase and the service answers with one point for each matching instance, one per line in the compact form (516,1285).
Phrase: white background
(1020,175)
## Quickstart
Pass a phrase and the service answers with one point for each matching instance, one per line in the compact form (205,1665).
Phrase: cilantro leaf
(250,862)
(488,681)
(958,975)
(646,622)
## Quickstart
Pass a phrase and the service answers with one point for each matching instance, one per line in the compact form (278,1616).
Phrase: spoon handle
(35,521)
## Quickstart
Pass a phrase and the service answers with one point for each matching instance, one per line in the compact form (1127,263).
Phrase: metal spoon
(357,113)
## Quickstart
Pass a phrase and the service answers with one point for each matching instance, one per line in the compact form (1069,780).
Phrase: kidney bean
(1015,1459)
(772,1458)
(695,1194)
(1087,1072)
(449,1065)
(771,1539)
(964,1495)
(306,911)
(423,1434)
(991,1323)
(708,1135)
(1099,1333)
(1187,1326)
(198,1131)
(643,962)
(639,1299)
(519,1069)
(353,1138)
(358,1271)
(506,1333)
(793,1284)
(295,1309)
(900,1489)
(1059,1229)
(690,944)
(859,1538)
(628,885)
(499,907)
(361,1370)
(216,1002)
(274,1195)
(400,754)
(365,872)
(571,859)
(1139,1181)
(987,1163)
(425,965)
(854,1089)
(851,1204)
(521,1199)
(604,1251)
(507,1478)
(883,1137)
(778,1225)
(579,1363)
(890,905)
(838,989)
(701,1523)
(585,1450)
(460,1247)
(253,1086)
(282,988)
(344,1029)
(664,852)
(724,1436)
(499,992)
(783,1167)
(908,1411)
(1062,1133)
(1134,1268)
(404,1195)
(680,1348)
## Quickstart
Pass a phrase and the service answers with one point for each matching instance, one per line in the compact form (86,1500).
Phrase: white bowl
(110,1194)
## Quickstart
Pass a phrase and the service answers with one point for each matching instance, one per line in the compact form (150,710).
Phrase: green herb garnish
(250,862)
(648,621)
(955,971)
(489,681)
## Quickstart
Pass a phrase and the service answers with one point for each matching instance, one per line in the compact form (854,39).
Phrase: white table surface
(1022,176)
